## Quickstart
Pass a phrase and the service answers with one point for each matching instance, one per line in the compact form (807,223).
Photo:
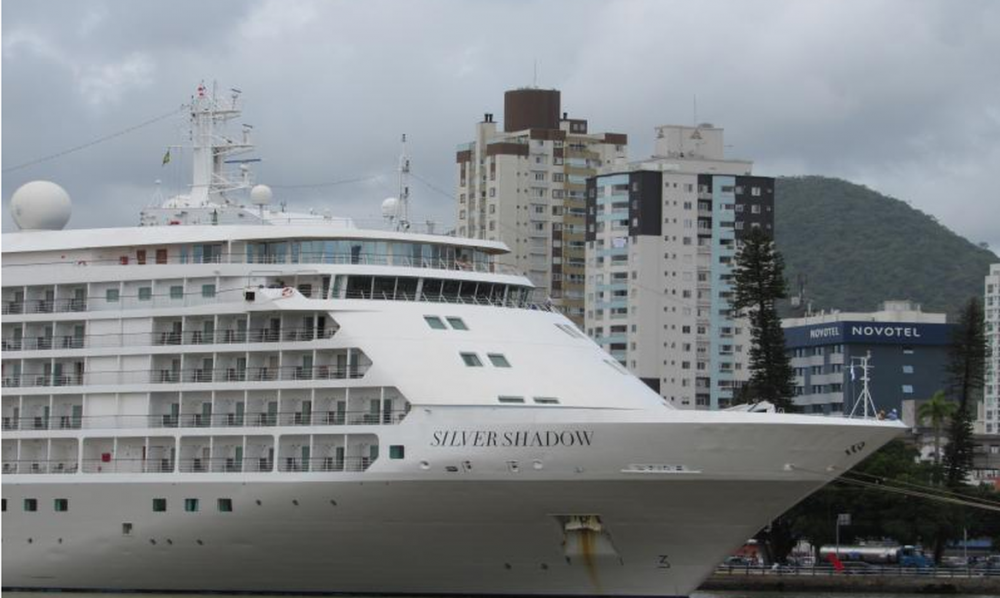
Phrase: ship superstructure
(228,398)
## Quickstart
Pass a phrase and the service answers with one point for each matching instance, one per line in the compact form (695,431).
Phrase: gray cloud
(899,95)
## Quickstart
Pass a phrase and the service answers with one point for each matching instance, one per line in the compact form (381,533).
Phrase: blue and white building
(908,351)
(662,237)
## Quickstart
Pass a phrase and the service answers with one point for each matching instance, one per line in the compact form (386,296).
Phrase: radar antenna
(865,398)
(403,204)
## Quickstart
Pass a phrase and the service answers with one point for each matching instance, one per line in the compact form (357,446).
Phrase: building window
(191,505)
(907,389)
(471,360)
(176,292)
(208,291)
(498,360)
(111,295)
(396,451)
(457,323)
(907,350)
(145,293)
(61,505)
(225,505)
(31,505)
(159,505)
(907,369)
(435,322)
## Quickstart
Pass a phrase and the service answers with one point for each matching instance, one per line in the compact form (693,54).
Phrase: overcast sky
(903,96)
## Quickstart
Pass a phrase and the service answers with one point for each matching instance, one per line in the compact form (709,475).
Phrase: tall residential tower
(989,410)
(662,236)
(525,186)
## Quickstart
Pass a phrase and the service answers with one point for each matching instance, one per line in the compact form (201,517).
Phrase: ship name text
(512,438)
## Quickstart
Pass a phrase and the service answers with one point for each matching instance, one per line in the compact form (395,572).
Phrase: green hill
(858,247)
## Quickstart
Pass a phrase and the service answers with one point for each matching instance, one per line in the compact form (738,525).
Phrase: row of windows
(146,293)
(520,400)
(437,324)
(59,505)
(472,360)
(192,505)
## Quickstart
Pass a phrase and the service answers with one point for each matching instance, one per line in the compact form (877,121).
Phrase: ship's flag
(166,158)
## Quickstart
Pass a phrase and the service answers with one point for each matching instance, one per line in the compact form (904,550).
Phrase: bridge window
(457,323)
(435,322)
(472,360)
(498,360)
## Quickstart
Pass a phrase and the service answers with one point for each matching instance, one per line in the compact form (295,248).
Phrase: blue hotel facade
(908,359)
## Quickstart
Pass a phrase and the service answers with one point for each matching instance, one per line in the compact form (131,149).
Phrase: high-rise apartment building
(525,185)
(662,237)
(988,421)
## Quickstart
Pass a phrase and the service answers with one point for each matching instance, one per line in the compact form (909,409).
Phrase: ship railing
(139,339)
(324,464)
(442,298)
(108,464)
(207,420)
(302,257)
(43,306)
(33,466)
(188,376)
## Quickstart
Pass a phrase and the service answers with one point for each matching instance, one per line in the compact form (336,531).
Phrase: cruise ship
(231,397)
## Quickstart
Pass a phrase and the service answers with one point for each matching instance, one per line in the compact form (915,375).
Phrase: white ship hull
(483,529)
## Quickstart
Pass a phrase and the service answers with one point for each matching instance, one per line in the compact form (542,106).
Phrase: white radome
(41,205)
(261,195)
(389,207)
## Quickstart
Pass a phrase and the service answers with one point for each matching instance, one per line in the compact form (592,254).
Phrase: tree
(758,284)
(966,376)
(938,409)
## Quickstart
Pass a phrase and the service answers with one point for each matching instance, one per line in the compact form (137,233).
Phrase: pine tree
(759,283)
(966,376)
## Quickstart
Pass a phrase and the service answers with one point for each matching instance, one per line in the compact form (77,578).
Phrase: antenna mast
(865,398)
(403,207)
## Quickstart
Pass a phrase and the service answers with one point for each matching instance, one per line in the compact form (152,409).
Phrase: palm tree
(938,409)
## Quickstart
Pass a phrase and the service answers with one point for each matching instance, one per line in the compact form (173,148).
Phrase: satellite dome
(40,205)
(261,195)
(389,207)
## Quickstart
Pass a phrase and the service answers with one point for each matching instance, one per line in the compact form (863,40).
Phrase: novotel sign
(887,333)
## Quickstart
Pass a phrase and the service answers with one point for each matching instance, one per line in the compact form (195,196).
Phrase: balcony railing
(189,376)
(192,337)
(31,466)
(254,419)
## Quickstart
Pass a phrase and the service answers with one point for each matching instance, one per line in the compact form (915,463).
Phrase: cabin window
(510,400)
(111,295)
(225,505)
(145,293)
(208,291)
(472,360)
(159,505)
(498,360)
(396,451)
(177,292)
(457,323)
(546,401)
(435,322)
(191,505)
(31,504)
(61,505)
(126,529)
